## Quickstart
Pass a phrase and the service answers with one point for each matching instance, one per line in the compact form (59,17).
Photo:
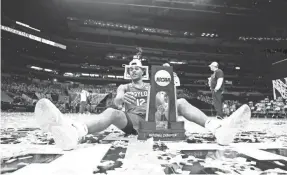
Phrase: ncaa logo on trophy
(161,118)
(162,78)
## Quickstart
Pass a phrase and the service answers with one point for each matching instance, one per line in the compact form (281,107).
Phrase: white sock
(212,125)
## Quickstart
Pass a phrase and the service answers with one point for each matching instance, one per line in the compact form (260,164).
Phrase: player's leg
(231,125)
(50,119)
(135,120)
(127,122)
(193,114)
(108,117)
(224,130)
(67,132)
(190,112)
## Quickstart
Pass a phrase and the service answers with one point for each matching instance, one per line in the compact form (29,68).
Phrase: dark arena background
(55,49)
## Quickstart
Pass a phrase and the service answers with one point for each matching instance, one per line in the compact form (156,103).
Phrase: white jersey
(84,95)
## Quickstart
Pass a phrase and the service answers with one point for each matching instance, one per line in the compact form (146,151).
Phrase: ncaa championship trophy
(168,129)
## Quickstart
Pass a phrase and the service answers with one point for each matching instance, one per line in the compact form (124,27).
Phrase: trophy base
(174,132)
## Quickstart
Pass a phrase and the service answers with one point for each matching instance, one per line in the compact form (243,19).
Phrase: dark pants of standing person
(217,102)
(83,106)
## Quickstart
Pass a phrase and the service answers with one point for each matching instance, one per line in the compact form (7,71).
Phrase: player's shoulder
(123,86)
(146,85)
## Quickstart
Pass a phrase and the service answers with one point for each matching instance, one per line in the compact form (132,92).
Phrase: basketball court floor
(260,149)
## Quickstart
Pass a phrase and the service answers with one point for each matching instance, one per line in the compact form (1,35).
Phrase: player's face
(136,72)
(212,68)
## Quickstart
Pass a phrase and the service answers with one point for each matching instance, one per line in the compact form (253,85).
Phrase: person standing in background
(83,104)
(89,101)
(216,83)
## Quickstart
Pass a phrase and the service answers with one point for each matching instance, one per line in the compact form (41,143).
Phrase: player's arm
(119,99)
(123,96)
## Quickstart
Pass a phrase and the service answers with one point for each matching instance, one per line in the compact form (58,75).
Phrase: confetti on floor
(20,129)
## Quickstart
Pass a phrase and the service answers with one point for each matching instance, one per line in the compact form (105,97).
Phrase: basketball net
(281,87)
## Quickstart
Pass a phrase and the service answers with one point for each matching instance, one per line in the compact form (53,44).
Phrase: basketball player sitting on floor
(67,133)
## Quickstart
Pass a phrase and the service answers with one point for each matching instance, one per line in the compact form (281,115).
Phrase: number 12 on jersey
(141,101)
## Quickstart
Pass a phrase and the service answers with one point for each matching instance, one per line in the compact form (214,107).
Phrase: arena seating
(269,108)
(22,95)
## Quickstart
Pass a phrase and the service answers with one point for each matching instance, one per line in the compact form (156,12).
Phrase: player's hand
(129,98)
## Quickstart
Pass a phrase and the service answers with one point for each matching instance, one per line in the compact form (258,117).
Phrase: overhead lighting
(68,74)
(36,68)
(111,76)
(48,70)
(177,62)
(237,68)
(94,75)
(209,34)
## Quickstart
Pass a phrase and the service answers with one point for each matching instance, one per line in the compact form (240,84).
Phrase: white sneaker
(66,133)
(231,125)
